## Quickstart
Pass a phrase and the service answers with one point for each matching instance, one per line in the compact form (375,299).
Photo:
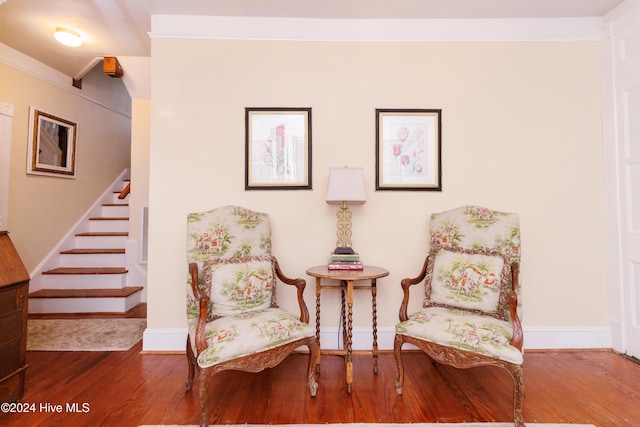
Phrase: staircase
(89,274)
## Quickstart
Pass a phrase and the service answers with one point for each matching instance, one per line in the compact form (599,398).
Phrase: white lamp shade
(346,185)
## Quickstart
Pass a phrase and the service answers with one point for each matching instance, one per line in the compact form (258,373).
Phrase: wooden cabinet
(14,292)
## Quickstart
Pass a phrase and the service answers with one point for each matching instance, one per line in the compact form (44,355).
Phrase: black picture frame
(408,149)
(278,149)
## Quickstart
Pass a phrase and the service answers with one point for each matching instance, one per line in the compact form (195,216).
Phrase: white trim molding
(164,340)
(566,337)
(6,123)
(535,338)
(419,30)
(37,69)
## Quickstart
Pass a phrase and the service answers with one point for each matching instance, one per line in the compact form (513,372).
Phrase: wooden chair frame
(252,363)
(461,358)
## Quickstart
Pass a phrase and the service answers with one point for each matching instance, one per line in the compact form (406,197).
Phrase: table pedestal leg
(343,314)
(349,335)
(318,280)
(374,309)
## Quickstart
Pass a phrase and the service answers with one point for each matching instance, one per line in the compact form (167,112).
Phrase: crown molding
(375,30)
(26,64)
(37,69)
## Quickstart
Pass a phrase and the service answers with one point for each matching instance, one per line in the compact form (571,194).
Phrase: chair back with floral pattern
(232,247)
(470,277)
(475,228)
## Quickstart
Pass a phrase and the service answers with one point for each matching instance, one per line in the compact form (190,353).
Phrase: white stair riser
(115,199)
(101,242)
(92,260)
(113,207)
(84,281)
(84,305)
(100,226)
(117,211)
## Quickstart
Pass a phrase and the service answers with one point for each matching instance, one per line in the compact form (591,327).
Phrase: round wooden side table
(346,279)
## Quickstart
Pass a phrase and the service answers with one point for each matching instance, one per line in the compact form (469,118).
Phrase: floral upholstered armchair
(471,310)
(233,317)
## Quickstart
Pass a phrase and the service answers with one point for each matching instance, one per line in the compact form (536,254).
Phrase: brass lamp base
(343,245)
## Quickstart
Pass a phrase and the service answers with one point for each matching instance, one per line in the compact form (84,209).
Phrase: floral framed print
(408,150)
(278,148)
(52,145)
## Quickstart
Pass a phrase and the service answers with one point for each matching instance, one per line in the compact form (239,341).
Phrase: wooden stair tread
(139,311)
(85,293)
(110,218)
(87,270)
(104,233)
(93,251)
(115,204)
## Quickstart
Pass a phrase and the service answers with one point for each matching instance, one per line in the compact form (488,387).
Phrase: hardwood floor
(129,388)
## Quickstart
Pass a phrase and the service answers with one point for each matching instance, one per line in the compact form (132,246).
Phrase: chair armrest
(203,313)
(517,336)
(300,284)
(406,283)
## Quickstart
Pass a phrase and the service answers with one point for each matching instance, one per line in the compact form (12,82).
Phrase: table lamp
(346,187)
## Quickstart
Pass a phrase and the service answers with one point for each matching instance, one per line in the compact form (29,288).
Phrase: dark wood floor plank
(128,389)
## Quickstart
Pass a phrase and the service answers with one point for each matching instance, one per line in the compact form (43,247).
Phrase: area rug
(394,425)
(84,334)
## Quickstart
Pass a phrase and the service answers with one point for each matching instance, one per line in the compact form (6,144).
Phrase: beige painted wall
(42,209)
(521,132)
(139,166)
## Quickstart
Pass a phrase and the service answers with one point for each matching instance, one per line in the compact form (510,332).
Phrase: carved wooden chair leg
(397,351)
(314,349)
(192,367)
(518,394)
(203,389)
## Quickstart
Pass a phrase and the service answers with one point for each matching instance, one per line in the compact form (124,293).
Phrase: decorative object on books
(278,149)
(344,257)
(408,150)
(345,265)
(344,262)
(346,186)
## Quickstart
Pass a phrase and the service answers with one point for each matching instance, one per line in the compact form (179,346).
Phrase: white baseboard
(165,339)
(535,338)
(566,337)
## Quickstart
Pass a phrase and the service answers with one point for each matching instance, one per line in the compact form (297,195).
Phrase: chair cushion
(244,334)
(463,330)
(240,287)
(477,280)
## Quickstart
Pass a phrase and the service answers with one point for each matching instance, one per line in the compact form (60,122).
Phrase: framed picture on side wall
(408,149)
(52,145)
(278,148)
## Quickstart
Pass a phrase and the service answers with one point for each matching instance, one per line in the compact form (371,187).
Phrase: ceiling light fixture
(67,37)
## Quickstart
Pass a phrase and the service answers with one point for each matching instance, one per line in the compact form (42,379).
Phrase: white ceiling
(121,27)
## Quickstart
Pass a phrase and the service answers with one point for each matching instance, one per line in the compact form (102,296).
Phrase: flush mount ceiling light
(67,37)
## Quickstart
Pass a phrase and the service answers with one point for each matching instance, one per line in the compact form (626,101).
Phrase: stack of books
(344,262)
